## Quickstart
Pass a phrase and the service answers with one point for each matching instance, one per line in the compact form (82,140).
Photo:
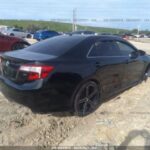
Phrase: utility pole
(74,25)
(138,31)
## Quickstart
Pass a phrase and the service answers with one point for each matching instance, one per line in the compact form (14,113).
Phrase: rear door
(134,65)
(109,65)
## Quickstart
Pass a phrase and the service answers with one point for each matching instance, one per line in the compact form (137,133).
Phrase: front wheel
(86,99)
(29,36)
(147,73)
(11,34)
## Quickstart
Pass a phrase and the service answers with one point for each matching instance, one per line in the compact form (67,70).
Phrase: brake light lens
(0,59)
(0,64)
(36,72)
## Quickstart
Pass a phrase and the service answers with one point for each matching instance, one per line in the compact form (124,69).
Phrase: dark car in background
(86,69)
(83,32)
(44,34)
(8,43)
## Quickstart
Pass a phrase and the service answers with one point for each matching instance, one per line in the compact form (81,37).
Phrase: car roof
(102,37)
(109,37)
(80,31)
(93,37)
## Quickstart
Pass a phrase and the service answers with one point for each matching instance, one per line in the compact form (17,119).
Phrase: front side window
(104,48)
(125,48)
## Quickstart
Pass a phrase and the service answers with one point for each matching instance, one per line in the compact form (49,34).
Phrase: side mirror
(141,52)
(133,55)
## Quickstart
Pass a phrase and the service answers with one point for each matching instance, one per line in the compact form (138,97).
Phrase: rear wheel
(87,98)
(11,34)
(17,46)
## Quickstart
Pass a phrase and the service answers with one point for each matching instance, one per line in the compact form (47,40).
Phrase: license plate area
(9,69)
(9,72)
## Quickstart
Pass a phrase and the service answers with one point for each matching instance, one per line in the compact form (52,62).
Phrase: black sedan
(86,69)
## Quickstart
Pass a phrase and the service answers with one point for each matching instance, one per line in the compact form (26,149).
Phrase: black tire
(11,34)
(29,36)
(18,46)
(86,99)
(147,73)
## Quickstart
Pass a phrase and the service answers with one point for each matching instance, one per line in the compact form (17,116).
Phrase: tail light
(0,59)
(35,72)
(0,64)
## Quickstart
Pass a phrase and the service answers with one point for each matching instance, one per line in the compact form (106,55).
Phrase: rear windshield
(56,45)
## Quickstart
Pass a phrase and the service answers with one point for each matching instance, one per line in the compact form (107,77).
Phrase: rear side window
(125,48)
(104,48)
(56,45)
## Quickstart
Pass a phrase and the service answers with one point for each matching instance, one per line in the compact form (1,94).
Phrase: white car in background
(3,28)
(17,33)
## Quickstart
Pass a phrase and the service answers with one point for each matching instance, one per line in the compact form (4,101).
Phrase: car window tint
(125,48)
(56,45)
(105,48)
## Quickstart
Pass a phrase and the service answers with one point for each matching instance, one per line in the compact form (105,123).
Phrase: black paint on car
(81,70)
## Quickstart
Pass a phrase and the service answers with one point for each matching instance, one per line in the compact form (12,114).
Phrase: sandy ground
(142,46)
(31,41)
(124,120)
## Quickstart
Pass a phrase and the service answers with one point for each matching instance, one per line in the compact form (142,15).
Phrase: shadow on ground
(44,103)
(131,136)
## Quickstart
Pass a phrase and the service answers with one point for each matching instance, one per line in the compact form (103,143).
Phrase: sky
(126,14)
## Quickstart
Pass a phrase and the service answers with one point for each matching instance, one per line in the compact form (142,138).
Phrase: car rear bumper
(41,100)
(23,87)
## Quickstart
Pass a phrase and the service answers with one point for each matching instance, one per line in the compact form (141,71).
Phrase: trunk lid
(28,55)
(11,62)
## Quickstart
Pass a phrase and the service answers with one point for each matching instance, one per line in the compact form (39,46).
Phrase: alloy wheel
(87,99)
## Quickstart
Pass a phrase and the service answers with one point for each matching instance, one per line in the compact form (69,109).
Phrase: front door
(134,65)
(109,64)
